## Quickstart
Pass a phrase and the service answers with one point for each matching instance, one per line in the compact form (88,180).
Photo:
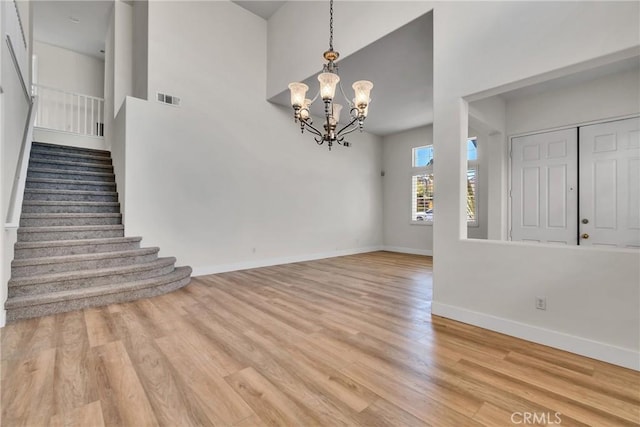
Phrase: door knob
(585,221)
(585,236)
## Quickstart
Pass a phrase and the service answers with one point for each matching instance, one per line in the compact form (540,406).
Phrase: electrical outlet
(541,303)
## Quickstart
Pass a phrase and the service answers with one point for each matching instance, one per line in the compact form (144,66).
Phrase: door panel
(544,187)
(610,184)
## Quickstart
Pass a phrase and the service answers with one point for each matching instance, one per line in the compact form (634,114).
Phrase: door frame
(565,127)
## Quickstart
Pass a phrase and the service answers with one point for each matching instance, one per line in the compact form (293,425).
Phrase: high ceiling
(80,26)
(400,65)
(263,9)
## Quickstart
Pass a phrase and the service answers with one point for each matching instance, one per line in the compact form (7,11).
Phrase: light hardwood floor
(342,341)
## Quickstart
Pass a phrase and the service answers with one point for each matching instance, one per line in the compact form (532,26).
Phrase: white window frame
(475,165)
(417,171)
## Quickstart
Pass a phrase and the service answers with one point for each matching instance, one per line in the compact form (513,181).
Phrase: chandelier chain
(331,25)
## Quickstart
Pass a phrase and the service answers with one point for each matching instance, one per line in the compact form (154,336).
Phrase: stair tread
(38,144)
(46,215)
(65,191)
(70,181)
(83,257)
(91,173)
(54,228)
(76,242)
(71,163)
(178,273)
(67,202)
(69,154)
(73,275)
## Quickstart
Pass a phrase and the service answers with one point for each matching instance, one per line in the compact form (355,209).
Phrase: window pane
(472,208)
(472,149)
(422,156)
(422,198)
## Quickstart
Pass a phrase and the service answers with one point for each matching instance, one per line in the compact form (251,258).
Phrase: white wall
(226,180)
(487,120)
(109,71)
(13,115)
(123,52)
(479,231)
(298,34)
(400,233)
(119,62)
(592,295)
(140,22)
(67,70)
(614,95)
(3,266)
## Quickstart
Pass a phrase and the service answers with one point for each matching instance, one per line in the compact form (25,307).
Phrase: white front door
(544,192)
(610,184)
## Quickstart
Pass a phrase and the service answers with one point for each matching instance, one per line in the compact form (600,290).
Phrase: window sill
(469,225)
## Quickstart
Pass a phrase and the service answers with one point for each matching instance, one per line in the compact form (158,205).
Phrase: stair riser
(23,253)
(70,197)
(68,235)
(68,150)
(38,154)
(33,163)
(57,221)
(45,288)
(62,307)
(69,209)
(35,270)
(70,175)
(98,186)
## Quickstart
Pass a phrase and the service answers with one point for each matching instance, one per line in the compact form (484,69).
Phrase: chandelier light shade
(329,81)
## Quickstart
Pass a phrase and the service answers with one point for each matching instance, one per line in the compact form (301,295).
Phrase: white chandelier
(329,79)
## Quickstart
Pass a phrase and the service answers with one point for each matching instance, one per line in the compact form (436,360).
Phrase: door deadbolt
(585,221)
(585,236)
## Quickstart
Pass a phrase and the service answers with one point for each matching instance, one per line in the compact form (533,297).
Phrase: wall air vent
(168,99)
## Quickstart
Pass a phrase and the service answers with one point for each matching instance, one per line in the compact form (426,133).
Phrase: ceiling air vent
(168,99)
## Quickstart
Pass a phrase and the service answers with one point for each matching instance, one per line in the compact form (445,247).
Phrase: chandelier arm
(319,141)
(312,129)
(351,123)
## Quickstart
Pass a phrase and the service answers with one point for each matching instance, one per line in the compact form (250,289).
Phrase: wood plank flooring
(336,342)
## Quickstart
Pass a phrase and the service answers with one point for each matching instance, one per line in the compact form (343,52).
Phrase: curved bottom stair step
(64,301)
(75,280)
(59,264)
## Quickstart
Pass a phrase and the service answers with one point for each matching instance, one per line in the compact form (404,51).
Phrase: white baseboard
(3,317)
(585,347)
(412,251)
(267,262)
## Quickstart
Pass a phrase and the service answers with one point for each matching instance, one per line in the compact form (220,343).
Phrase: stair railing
(69,112)
(20,179)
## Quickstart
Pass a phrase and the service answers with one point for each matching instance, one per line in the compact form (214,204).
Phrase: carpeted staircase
(71,251)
